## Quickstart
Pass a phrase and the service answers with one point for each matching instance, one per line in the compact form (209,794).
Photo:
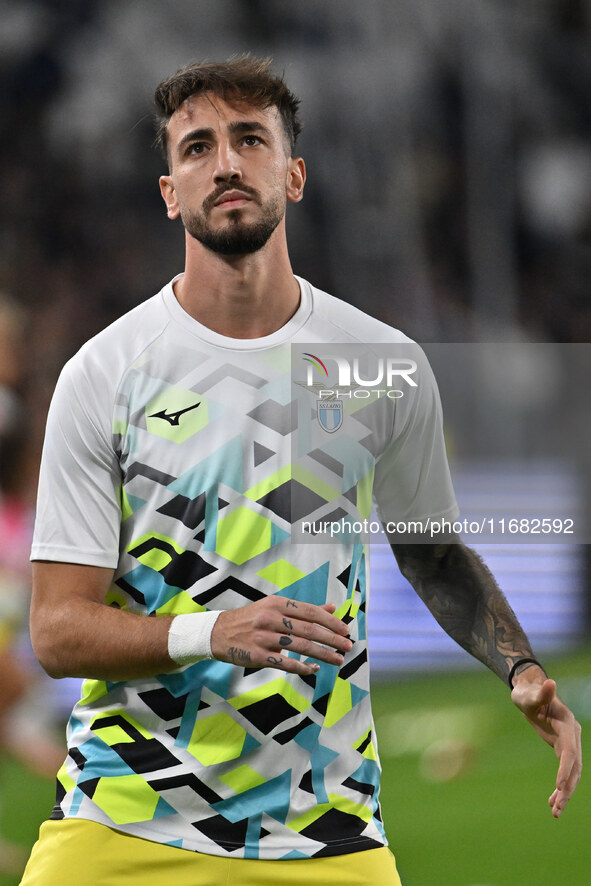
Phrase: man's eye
(251,140)
(196,148)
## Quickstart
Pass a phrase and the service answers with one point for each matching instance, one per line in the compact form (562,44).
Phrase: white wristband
(189,636)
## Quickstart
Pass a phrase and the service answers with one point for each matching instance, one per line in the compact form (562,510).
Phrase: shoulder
(333,321)
(89,382)
(339,321)
(105,357)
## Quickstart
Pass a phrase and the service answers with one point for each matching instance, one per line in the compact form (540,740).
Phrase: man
(224,732)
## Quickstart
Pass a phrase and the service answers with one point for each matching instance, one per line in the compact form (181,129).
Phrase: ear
(296,179)
(169,196)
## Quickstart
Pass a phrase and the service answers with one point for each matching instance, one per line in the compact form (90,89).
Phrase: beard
(236,237)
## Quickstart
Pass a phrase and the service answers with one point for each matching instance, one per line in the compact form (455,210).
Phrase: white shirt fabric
(181,459)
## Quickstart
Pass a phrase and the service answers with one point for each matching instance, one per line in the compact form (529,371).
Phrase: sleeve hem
(74,555)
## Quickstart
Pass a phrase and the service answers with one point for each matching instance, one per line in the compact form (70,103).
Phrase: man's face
(230,173)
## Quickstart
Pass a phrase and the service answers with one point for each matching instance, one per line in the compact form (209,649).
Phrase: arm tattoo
(239,656)
(276,661)
(462,594)
(288,624)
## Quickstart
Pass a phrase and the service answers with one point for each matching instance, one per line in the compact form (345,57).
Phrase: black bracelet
(518,664)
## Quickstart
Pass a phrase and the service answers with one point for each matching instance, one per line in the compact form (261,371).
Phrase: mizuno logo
(174,418)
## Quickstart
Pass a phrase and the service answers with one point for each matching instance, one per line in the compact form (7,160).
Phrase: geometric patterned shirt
(172,456)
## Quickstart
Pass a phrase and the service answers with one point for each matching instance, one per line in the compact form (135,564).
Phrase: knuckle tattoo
(239,656)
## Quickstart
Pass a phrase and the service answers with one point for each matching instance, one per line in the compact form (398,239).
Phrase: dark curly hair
(243,78)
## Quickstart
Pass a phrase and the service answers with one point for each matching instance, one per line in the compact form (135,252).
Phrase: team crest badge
(330,415)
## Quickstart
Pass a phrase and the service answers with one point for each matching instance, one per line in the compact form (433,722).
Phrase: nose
(228,164)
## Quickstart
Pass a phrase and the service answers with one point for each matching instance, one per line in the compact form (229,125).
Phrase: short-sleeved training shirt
(170,457)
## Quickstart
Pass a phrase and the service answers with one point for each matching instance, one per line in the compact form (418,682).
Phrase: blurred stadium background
(449,193)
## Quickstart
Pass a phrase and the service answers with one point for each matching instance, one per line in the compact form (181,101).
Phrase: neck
(248,296)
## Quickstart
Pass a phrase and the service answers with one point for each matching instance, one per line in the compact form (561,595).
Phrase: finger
(291,665)
(546,693)
(566,770)
(312,633)
(554,800)
(534,697)
(316,614)
(573,778)
(568,748)
(559,803)
(313,650)
(566,787)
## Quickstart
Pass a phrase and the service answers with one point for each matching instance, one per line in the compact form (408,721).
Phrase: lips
(232,197)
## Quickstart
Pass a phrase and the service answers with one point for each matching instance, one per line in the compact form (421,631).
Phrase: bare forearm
(92,640)
(75,634)
(464,597)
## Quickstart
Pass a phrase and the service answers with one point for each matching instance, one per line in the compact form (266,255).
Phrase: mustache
(209,201)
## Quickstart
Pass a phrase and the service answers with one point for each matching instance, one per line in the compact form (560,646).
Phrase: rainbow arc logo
(317,363)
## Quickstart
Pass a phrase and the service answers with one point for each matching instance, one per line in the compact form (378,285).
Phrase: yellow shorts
(91,854)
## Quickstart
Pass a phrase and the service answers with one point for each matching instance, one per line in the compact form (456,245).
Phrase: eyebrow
(240,126)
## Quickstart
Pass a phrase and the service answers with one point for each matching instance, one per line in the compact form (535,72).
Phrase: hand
(254,636)
(536,697)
